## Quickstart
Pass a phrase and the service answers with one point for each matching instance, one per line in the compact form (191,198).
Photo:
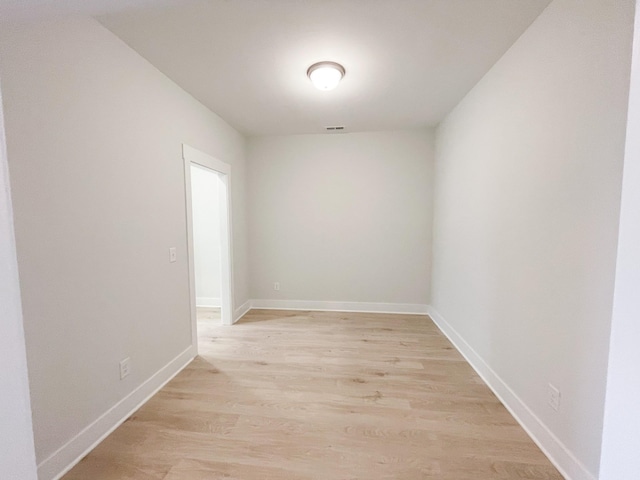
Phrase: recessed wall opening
(207,183)
(205,188)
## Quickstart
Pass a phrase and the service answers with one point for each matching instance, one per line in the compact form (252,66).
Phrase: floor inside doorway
(207,317)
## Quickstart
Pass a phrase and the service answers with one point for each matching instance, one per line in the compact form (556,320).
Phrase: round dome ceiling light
(325,75)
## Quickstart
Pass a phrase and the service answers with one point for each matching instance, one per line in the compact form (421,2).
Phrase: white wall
(94,136)
(343,217)
(17,454)
(528,178)
(206,235)
(621,436)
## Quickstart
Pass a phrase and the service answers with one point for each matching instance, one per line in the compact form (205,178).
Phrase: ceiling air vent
(335,129)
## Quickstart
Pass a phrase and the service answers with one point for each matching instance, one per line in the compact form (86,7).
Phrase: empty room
(319,239)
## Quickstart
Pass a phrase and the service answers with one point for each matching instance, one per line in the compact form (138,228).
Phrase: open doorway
(205,187)
(209,236)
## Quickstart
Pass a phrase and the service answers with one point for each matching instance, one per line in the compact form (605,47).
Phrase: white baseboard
(208,302)
(563,459)
(242,310)
(361,307)
(67,456)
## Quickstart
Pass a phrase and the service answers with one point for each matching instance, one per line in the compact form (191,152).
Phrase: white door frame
(191,156)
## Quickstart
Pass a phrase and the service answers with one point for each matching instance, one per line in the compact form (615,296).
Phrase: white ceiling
(21,10)
(408,62)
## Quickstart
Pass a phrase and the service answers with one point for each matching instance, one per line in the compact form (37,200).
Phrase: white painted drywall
(343,217)
(528,178)
(621,435)
(206,235)
(94,136)
(17,454)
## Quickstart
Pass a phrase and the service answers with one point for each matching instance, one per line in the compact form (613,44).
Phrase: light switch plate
(125,368)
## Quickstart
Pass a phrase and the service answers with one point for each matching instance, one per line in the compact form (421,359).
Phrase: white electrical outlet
(553,399)
(276,286)
(172,254)
(125,368)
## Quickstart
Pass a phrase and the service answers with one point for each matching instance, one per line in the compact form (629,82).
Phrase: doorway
(206,245)
(209,239)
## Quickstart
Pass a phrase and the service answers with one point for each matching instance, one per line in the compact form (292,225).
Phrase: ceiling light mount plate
(325,75)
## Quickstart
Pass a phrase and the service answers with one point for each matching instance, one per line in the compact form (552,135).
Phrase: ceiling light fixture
(325,75)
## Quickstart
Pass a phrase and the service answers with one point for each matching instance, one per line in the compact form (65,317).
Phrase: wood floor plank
(319,395)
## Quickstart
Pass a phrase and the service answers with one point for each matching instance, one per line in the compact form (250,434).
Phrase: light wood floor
(207,316)
(323,396)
